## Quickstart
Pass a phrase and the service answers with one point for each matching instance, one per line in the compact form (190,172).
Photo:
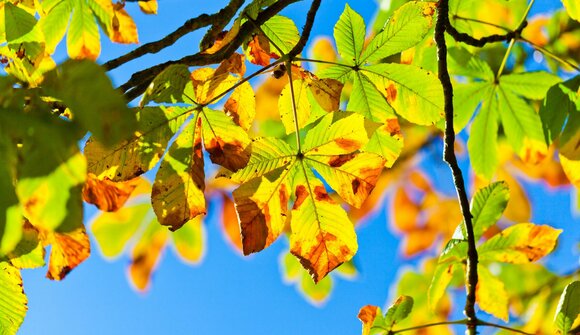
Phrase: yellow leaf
(146,255)
(572,170)
(303,107)
(148,7)
(123,27)
(323,49)
(241,106)
(208,84)
(520,243)
(224,39)
(83,39)
(327,93)
(405,211)
(518,208)
(491,294)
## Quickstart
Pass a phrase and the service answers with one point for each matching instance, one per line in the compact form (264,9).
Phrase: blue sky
(228,294)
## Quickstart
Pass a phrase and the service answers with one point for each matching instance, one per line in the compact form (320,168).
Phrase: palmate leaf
(83,40)
(381,90)
(322,235)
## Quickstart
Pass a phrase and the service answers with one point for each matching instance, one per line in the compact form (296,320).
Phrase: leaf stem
(513,40)
(458,322)
(449,156)
(294,110)
(550,54)
(321,61)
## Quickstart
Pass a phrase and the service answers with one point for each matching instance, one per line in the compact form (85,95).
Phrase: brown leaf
(107,195)
(259,50)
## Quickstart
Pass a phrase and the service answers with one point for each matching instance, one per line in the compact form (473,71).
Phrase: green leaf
(349,33)
(568,308)
(519,244)
(372,320)
(83,38)
(18,25)
(95,104)
(177,194)
(29,253)
(407,27)
(13,301)
(520,122)
(560,102)
(531,85)
(413,93)
(398,311)
(169,86)
(11,216)
(487,206)
(482,142)
(573,8)
(466,99)
(138,154)
(54,24)
(282,32)
(463,63)
(367,101)
(570,137)
(112,230)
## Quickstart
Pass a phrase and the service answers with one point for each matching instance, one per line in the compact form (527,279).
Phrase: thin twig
(480,42)
(200,58)
(458,322)
(306,30)
(193,24)
(550,54)
(449,156)
(294,109)
(489,324)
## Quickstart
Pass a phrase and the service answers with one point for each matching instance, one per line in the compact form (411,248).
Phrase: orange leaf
(405,211)
(67,251)
(367,316)
(235,64)
(107,195)
(259,50)
(123,27)
(231,228)
(146,255)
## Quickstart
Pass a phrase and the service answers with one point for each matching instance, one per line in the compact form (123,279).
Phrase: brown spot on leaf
(283,194)
(355,185)
(348,144)
(301,195)
(391,93)
(253,225)
(340,160)
(321,195)
(233,156)
(392,127)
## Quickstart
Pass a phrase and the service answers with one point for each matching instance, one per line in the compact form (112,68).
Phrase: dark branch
(224,17)
(480,42)
(449,156)
(134,86)
(306,30)
(218,19)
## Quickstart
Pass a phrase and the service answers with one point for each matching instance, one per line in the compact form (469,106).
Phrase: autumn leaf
(13,301)
(107,195)
(491,294)
(521,243)
(67,251)
(149,6)
(274,173)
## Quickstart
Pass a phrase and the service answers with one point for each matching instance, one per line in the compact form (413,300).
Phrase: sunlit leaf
(177,194)
(208,84)
(482,143)
(282,33)
(13,301)
(231,228)
(148,6)
(107,195)
(349,33)
(241,106)
(487,207)
(258,51)
(531,85)
(67,251)
(168,86)
(573,9)
(521,243)
(491,295)
(442,277)
(303,107)
(29,252)
(568,308)
(83,39)
(138,154)
(372,320)
(407,27)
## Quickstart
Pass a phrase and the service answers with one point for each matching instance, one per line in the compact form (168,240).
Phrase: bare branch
(449,156)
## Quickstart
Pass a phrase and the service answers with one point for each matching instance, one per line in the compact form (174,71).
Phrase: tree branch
(480,42)
(224,17)
(449,156)
(306,30)
(133,87)
(219,19)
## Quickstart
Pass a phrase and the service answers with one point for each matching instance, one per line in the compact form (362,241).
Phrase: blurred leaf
(13,301)
(568,308)
(491,295)
(521,243)
(398,311)
(67,251)
(29,252)
(372,320)
(231,227)
(148,6)
(189,240)
(573,9)
(146,254)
